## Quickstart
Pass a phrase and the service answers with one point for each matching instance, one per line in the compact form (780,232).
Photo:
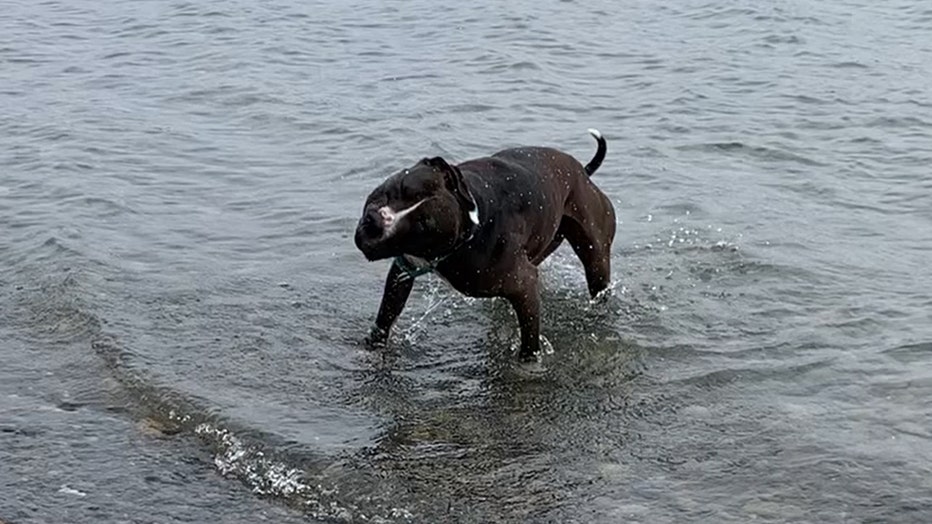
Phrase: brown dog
(485,225)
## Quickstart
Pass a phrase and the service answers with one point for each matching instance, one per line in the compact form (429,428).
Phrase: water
(182,305)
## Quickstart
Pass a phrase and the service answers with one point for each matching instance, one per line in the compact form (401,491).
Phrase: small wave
(249,456)
(418,76)
(911,353)
(721,13)
(719,378)
(849,65)
(767,154)
(807,99)
(783,39)
(525,65)
(469,108)
(898,122)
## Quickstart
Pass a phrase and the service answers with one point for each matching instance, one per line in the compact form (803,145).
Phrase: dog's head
(421,211)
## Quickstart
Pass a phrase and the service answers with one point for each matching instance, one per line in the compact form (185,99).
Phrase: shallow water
(182,305)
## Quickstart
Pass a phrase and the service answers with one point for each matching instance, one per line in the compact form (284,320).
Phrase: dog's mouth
(371,247)
(373,254)
(374,242)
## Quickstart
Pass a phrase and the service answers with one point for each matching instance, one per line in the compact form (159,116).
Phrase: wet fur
(529,200)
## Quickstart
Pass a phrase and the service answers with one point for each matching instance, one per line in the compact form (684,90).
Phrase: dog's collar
(409,270)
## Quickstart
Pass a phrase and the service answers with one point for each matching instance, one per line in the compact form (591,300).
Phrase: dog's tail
(599,154)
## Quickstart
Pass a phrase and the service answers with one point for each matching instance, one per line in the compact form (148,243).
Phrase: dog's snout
(371,223)
(369,234)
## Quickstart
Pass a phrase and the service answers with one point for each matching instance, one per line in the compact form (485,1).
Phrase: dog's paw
(544,348)
(526,357)
(377,338)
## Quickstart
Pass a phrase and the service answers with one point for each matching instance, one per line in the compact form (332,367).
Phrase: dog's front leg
(397,289)
(524,297)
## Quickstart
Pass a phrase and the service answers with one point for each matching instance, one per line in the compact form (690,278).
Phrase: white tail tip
(595,133)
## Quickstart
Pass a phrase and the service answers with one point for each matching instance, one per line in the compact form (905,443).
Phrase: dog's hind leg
(590,230)
(394,298)
(523,294)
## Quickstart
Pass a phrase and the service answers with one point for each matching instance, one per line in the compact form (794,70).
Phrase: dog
(484,226)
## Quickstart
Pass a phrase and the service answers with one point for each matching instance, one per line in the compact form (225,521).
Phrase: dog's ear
(437,163)
(453,181)
(452,177)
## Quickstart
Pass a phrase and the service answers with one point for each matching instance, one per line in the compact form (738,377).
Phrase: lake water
(182,305)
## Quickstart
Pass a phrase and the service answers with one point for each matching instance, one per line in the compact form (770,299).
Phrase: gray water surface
(182,306)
